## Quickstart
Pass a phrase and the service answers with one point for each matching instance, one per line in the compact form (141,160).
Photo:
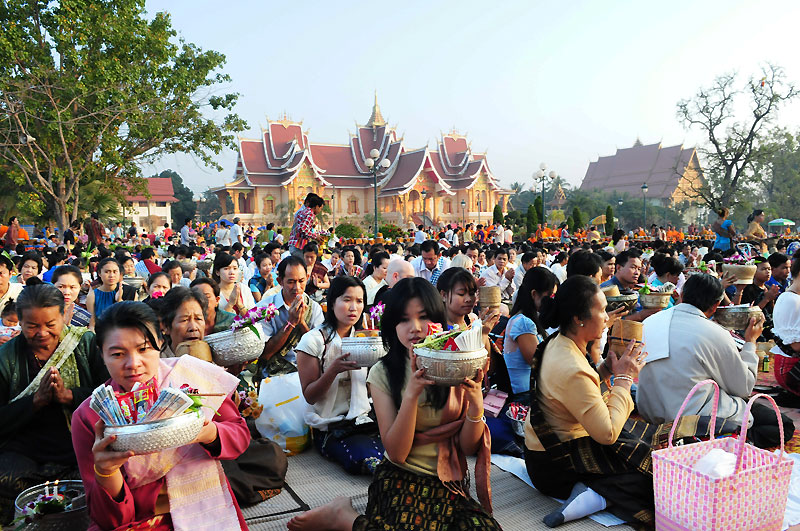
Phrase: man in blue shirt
(629,267)
(781,266)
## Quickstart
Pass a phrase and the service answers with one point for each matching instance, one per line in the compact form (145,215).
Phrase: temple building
(275,172)
(671,174)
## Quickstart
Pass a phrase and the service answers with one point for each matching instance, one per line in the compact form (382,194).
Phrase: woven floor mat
(316,481)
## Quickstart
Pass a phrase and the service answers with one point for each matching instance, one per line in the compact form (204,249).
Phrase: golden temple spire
(376,119)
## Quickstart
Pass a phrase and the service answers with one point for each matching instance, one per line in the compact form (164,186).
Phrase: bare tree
(733,143)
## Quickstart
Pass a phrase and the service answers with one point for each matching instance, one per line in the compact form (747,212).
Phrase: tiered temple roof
(283,148)
(664,169)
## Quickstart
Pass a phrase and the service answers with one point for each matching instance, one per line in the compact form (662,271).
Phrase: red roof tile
(626,171)
(160,189)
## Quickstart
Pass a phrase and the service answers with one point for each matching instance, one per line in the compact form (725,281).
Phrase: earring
(581,324)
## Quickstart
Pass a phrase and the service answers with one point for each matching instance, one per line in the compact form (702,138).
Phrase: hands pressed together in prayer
(297,310)
(51,389)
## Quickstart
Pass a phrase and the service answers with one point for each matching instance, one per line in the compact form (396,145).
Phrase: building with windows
(275,172)
(153,211)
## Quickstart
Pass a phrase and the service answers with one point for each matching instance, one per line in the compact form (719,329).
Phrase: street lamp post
(424,197)
(375,166)
(644,206)
(542,176)
(333,209)
(463,212)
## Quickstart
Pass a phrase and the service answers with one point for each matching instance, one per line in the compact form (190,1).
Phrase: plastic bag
(284,408)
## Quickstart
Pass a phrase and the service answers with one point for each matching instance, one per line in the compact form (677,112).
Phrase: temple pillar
(235,200)
(223,203)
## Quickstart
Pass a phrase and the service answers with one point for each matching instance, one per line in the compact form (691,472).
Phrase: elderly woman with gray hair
(45,373)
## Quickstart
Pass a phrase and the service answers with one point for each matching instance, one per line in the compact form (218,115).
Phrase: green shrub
(391,231)
(348,230)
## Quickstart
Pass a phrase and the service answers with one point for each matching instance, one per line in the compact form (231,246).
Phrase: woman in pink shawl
(182,488)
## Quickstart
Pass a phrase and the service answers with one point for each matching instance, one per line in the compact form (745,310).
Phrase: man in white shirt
(499,234)
(509,236)
(297,314)
(527,261)
(684,348)
(236,232)
(186,231)
(420,235)
(223,235)
(499,275)
(331,263)
(430,264)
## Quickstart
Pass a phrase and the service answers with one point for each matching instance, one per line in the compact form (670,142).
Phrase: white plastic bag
(282,418)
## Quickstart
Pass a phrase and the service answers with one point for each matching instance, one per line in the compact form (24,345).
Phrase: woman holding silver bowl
(177,488)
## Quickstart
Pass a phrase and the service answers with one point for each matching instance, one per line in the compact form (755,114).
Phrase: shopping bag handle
(713,424)
(746,421)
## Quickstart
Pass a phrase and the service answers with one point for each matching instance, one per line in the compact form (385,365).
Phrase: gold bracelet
(97,472)
(474,419)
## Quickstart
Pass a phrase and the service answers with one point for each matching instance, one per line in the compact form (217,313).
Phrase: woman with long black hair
(427,430)
(335,387)
(524,331)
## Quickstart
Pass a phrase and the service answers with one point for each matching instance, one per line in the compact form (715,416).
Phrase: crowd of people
(107,304)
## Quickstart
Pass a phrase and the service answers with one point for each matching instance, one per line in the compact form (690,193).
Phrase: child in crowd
(10,320)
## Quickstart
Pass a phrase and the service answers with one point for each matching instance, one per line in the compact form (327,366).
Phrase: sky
(527,81)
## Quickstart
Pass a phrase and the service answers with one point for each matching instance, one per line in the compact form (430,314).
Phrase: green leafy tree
(571,224)
(185,207)
(538,205)
(734,142)
(91,90)
(609,220)
(211,209)
(532,219)
(497,214)
(577,217)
